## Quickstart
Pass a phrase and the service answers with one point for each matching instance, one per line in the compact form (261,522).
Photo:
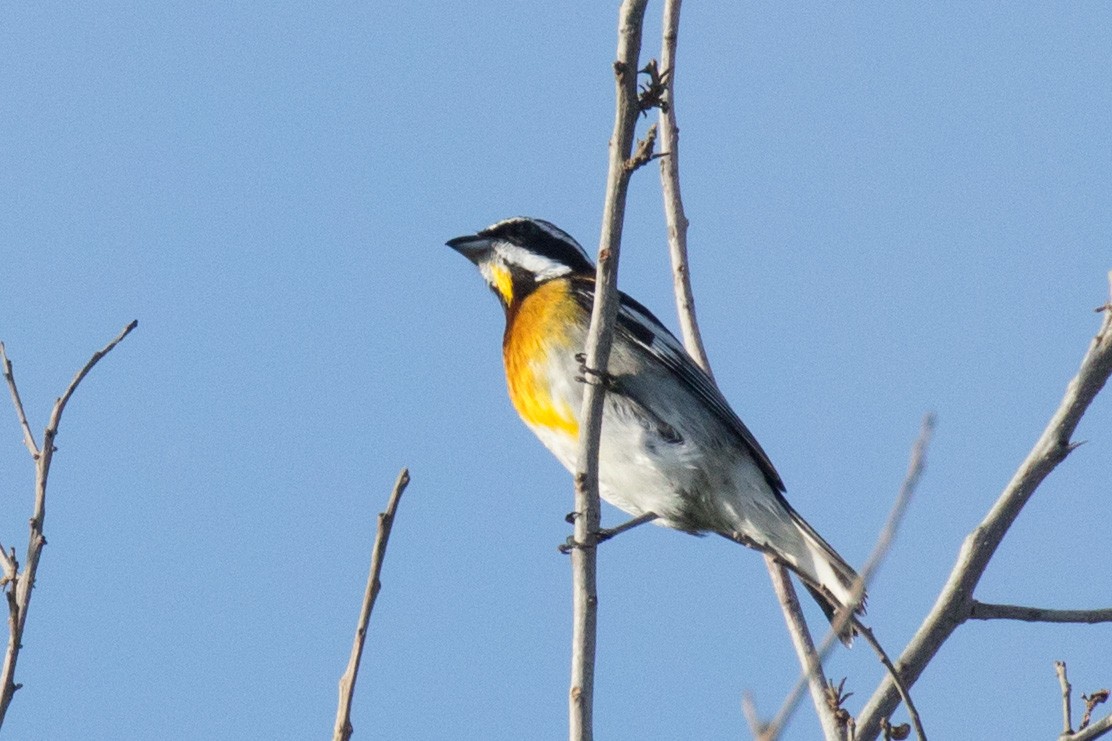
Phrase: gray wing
(637,325)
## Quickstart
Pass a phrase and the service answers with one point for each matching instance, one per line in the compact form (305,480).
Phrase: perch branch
(603,314)
(342,729)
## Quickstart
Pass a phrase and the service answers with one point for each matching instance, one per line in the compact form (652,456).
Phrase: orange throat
(536,329)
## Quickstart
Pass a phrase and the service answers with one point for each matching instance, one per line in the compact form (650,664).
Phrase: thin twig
(20,585)
(952,607)
(341,731)
(1098,729)
(28,437)
(913,712)
(673,198)
(1084,730)
(989,611)
(8,564)
(883,546)
(1067,713)
(693,341)
(752,717)
(78,377)
(1091,701)
(915,467)
(644,153)
(603,314)
(804,649)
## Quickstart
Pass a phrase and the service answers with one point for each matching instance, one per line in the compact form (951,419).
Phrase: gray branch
(18,584)
(693,343)
(603,314)
(1064,683)
(954,603)
(342,729)
(1096,730)
(1085,732)
(883,545)
(988,611)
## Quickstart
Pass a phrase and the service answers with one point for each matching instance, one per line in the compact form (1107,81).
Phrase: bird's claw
(569,545)
(592,375)
(602,535)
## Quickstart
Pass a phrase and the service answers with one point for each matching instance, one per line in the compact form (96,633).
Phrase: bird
(672,450)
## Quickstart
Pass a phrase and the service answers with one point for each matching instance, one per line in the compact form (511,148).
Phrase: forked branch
(1085,730)
(18,584)
(955,603)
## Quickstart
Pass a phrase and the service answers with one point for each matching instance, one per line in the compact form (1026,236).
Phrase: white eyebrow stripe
(542,267)
(549,229)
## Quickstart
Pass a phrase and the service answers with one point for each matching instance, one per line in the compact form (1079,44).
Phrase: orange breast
(538,327)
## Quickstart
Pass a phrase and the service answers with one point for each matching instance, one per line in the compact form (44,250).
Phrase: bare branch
(913,712)
(1098,729)
(342,729)
(953,606)
(19,585)
(7,562)
(670,186)
(988,611)
(752,717)
(805,650)
(910,483)
(644,154)
(60,405)
(28,438)
(883,545)
(1091,701)
(1084,731)
(603,314)
(1067,713)
(662,88)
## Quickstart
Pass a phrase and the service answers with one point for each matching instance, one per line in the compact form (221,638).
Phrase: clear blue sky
(894,210)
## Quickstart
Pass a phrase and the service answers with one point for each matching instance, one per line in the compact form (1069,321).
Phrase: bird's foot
(603,534)
(592,375)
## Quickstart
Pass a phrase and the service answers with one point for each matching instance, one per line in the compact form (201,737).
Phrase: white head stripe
(542,267)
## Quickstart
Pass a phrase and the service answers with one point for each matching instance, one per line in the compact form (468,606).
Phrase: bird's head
(517,255)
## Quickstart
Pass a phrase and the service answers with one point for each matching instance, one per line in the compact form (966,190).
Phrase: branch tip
(342,729)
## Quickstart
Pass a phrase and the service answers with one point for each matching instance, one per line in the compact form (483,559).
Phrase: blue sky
(894,210)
